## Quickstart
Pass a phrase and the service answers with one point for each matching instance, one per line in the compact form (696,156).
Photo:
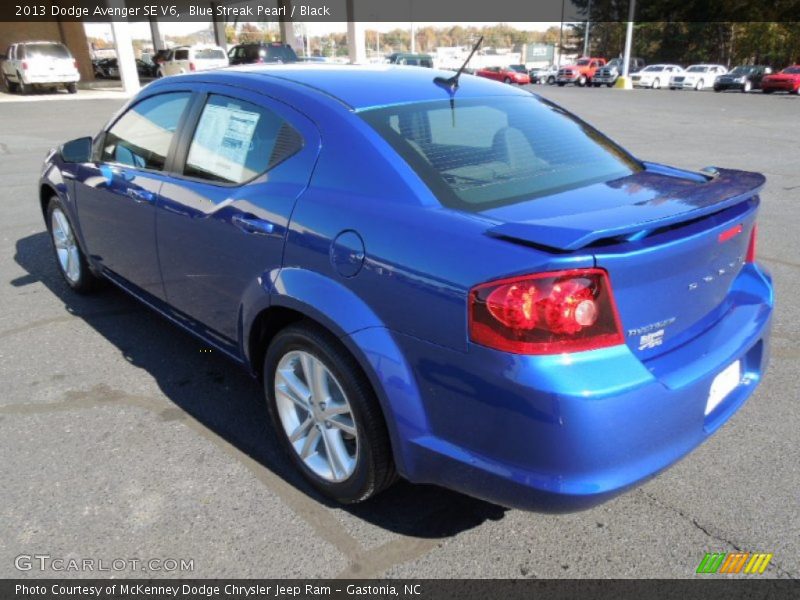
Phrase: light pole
(561,35)
(586,31)
(623,81)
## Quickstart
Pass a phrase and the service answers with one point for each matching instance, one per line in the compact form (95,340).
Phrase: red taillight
(24,66)
(546,313)
(751,247)
(730,233)
(192,67)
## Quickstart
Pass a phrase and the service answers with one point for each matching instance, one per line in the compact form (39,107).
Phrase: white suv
(185,59)
(46,64)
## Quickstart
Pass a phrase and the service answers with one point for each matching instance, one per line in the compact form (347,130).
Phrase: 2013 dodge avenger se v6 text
(461,284)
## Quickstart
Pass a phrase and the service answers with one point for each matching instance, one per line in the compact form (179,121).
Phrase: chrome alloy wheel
(66,246)
(316,416)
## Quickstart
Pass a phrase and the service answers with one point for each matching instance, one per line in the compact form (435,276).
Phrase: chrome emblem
(720,272)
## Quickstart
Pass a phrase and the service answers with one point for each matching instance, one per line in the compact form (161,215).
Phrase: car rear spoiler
(704,194)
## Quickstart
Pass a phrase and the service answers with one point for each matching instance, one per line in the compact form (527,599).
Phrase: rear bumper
(50,79)
(560,433)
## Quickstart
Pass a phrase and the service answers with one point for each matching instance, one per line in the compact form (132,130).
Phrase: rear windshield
(490,152)
(279,53)
(47,51)
(792,70)
(209,53)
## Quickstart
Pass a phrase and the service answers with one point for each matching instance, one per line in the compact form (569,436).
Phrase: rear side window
(235,141)
(280,53)
(209,53)
(181,55)
(484,153)
(47,51)
(142,136)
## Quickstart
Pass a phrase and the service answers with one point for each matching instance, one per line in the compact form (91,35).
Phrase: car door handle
(253,224)
(141,195)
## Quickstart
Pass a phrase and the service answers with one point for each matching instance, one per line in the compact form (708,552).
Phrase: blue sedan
(459,284)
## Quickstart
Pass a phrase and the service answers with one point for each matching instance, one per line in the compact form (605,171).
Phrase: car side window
(142,136)
(181,55)
(235,141)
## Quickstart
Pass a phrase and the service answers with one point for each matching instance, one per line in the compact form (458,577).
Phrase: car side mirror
(77,151)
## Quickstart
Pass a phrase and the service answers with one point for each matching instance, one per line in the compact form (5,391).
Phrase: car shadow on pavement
(228,402)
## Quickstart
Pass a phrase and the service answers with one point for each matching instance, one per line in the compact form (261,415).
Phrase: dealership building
(219,13)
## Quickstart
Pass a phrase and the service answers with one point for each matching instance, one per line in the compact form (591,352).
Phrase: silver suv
(609,74)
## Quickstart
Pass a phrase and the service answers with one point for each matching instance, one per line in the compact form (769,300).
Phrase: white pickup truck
(45,64)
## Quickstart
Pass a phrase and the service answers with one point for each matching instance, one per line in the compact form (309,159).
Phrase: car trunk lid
(672,243)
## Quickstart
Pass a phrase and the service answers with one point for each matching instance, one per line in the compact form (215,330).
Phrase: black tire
(86,282)
(11,87)
(551,80)
(22,87)
(597,85)
(719,89)
(582,81)
(507,80)
(656,84)
(561,84)
(747,86)
(72,88)
(610,84)
(767,91)
(374,468)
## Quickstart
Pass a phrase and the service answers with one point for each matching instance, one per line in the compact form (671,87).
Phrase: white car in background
(655,76)
(43,64)
(697,77)
(185,59)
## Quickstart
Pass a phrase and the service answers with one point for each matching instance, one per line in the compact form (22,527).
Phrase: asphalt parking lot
(122,439)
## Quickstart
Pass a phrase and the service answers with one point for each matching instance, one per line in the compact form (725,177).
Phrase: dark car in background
(108,68)
(743,78)
(414,60)
(261,52)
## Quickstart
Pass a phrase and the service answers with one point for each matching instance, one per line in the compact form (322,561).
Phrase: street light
(623,81)
(586,31)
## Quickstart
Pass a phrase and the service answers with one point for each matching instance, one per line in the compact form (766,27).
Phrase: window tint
(142,136)
(491,152)
(182,54)
(236,140)
(209,53)
(47,51)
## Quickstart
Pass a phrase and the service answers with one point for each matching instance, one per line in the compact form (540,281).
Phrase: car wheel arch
(371,343)
(361,345)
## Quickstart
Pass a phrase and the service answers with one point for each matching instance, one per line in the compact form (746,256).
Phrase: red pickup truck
(581,72)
